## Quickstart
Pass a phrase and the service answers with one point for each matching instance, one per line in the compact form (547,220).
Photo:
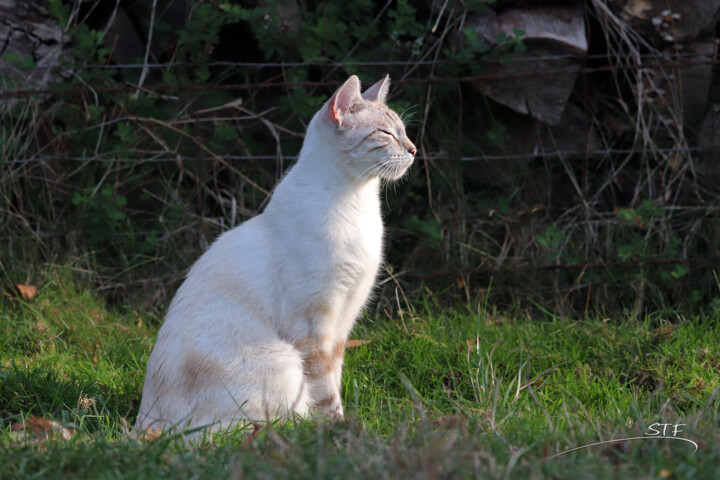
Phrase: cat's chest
(326,229)
(343,224)
(356,237)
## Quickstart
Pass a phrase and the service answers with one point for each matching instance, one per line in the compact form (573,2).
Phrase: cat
(258,328)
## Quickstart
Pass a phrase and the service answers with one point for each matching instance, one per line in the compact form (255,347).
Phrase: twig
(145,69)
(561,266)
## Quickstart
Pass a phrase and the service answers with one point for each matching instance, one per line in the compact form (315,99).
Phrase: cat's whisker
(391,169)
(407,108)
(365,174)
(368,172)
(408,112)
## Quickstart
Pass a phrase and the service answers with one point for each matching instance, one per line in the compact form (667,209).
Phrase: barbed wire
(351,63)
(498,75)
(709,262)
(634,263)
(431,156)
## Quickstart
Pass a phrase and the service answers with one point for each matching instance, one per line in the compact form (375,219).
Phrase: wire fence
(642,57)
(159,87)
(571,154)
(631,62)
(645,61)
(493,70)
(503,69)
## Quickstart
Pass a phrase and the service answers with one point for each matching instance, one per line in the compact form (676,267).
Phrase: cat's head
(369,134)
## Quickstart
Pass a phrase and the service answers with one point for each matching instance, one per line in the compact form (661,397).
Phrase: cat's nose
(412,150)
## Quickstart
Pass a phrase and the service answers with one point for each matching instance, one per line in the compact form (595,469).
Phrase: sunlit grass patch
(438,392)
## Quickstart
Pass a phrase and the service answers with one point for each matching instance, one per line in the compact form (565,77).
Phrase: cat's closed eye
(386,132)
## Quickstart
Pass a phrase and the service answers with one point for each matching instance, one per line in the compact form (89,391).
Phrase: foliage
(138,179)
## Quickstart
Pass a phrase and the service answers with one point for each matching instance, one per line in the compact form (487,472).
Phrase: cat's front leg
(322,364)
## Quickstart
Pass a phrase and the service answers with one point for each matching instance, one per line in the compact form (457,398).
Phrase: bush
(134,166)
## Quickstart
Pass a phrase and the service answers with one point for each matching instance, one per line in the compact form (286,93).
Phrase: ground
(439,391)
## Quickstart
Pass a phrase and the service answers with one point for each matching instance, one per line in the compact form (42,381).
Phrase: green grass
(438,393)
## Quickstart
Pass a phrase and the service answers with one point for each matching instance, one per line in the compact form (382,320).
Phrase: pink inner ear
(343,98)
(332,110)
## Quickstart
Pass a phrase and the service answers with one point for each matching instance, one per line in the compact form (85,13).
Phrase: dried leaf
(40,429)
(356,343)
(151,434)
(256,427)
(469,346)
(27,292)
(85,403)
(640,9)
(665,473)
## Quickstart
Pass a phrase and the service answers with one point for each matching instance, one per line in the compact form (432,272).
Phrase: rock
(679,52)
(124,40)
(707,164)
(695,79)
(128,33)
(29,32)
(673,20)
(527,139)
(677,84)
(574,136)
(557,31)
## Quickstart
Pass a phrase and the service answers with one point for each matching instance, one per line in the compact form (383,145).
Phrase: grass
(439,392)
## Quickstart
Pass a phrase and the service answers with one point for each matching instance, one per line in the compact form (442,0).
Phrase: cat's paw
(330,407)
(337,411)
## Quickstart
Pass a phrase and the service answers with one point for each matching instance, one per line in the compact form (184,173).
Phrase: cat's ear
(379,91)
(343,99)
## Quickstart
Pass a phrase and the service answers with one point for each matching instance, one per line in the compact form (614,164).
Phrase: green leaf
(679,271)
(11,57)
(429,228)
(225,132)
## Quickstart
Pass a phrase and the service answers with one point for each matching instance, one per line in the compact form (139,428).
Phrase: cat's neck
(321,171)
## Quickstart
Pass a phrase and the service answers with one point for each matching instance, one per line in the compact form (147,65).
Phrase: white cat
(258,329)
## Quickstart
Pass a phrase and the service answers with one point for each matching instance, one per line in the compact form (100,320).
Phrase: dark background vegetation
(130,160)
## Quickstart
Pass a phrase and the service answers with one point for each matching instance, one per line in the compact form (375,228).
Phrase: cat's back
(224,280)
